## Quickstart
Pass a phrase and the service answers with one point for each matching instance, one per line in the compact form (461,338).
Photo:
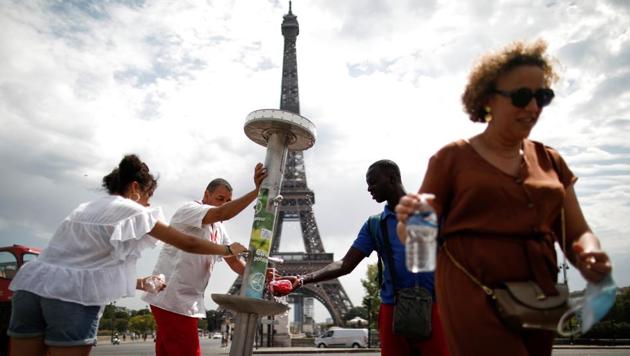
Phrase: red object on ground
(280,287)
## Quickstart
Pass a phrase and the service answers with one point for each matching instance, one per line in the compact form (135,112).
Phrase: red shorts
(177,335)
(394,345)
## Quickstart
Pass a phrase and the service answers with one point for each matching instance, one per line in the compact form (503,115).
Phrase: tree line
(122,320)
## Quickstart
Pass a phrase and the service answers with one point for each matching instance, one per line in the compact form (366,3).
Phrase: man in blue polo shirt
(385,185)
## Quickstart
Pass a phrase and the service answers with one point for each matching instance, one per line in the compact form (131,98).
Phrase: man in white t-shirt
(179,306)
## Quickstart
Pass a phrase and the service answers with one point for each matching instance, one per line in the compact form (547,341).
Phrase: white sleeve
(190,214)
(130,235)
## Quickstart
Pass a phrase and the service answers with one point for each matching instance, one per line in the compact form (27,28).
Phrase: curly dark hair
(484,74)
(130,169)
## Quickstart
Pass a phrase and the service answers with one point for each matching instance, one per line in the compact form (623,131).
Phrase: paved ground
(213,347)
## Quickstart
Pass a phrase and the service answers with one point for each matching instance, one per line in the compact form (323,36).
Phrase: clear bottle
(421,244)
(153,284)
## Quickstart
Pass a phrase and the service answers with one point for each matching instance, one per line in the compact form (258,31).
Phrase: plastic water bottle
(421,244)
(153,284)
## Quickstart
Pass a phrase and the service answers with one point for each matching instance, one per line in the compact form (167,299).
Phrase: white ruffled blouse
(91,258)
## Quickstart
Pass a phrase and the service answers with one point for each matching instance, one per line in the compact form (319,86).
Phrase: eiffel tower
(297,205)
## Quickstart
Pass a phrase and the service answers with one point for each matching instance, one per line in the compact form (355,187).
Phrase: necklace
(501,153)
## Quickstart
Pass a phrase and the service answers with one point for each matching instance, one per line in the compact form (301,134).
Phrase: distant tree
(141,323)
(203,324)
(372,299)
(121,324)
(214,319)
(360,311)
(109,311)
(121,313)
(616,324)
(144,311)
(115,318)
(620,312)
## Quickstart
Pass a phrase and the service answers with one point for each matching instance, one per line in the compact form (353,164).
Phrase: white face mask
(597,301)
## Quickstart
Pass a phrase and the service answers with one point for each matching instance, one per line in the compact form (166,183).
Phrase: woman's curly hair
(130,169)
(484,74)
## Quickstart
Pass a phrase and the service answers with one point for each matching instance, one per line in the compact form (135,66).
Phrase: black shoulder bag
(412,311)
(523,305)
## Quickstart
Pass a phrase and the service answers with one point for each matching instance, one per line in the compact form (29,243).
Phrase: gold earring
(488,116)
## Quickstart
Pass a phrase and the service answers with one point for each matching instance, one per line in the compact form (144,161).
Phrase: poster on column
(260,243)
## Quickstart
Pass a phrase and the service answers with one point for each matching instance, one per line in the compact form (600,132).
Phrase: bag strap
(388,253)
(373,229)
(563,227)
(485,288)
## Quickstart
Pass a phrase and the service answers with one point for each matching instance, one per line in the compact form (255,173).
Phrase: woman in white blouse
(91,261)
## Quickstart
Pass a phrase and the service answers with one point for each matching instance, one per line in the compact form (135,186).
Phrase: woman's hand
(593,263)
(151,284)
(403,209)
(406,206)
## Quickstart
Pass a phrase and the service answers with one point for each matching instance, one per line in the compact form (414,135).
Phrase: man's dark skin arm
(336,269)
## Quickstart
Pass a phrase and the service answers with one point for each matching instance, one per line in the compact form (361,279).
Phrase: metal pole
(369,315)
(265,217)
(279,131)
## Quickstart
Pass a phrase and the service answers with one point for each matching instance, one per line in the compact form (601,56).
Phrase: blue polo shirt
(405,279)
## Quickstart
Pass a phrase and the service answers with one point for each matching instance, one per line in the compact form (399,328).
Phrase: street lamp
(564,267)
(369,321)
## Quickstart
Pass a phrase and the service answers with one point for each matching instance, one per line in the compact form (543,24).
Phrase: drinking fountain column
(280,131)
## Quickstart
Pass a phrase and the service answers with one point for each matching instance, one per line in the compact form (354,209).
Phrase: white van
(339,337)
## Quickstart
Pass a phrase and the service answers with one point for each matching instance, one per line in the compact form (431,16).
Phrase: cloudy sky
(84,82)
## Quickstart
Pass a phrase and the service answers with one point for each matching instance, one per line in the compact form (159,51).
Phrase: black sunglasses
(521,97)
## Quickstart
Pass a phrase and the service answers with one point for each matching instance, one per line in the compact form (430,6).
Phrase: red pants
(177,335)
(394,345)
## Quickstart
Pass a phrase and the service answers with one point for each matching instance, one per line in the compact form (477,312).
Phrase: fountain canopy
(261,124)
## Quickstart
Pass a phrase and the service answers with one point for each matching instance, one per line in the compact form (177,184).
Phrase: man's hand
(296,281)
(260,173)
(281,287)
(234,249)
(272,274)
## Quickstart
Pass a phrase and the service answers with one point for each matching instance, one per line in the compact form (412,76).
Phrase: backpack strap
(389,254)
(373,225)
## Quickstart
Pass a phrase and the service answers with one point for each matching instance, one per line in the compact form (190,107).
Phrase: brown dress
(500,228)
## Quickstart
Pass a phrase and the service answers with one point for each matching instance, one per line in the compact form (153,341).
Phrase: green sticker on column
(260,243)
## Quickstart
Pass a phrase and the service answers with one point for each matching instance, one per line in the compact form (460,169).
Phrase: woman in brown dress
(499,196)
